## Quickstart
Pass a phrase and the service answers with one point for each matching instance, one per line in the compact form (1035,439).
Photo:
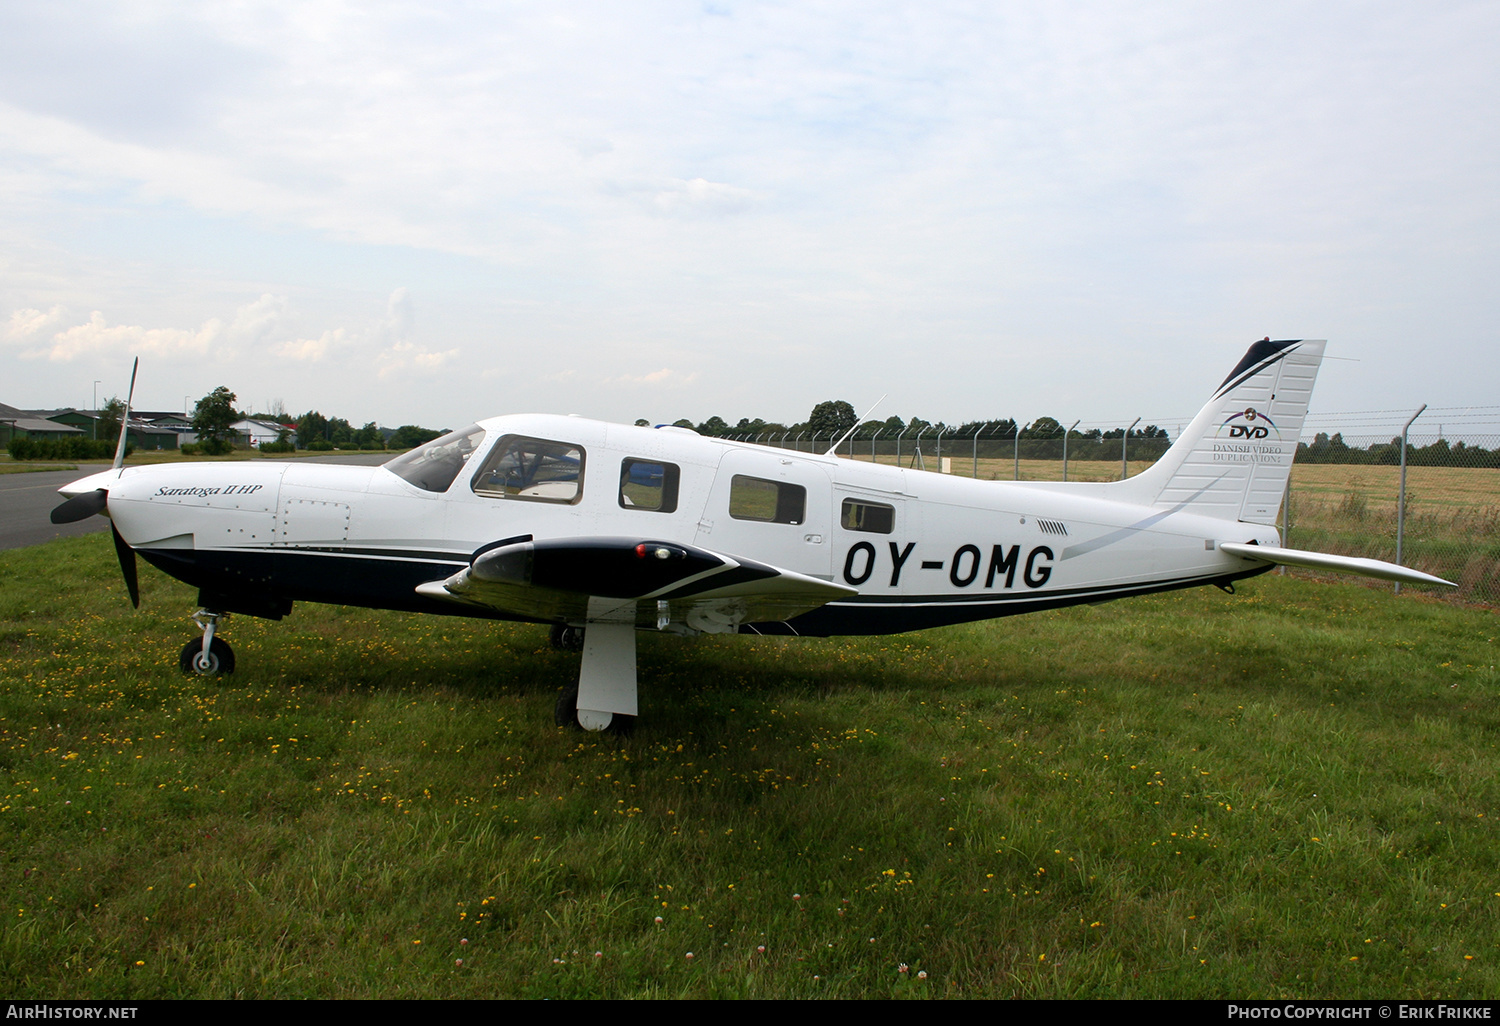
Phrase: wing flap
(1326,561)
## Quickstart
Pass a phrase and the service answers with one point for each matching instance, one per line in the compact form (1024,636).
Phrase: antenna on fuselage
(845,436)
(125,419)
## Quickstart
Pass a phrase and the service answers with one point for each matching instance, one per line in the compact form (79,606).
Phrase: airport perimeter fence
(1349,492)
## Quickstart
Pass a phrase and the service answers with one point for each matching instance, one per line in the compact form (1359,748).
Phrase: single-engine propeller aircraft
(607,529)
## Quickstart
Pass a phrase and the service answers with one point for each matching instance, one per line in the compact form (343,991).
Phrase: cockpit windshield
(432,467)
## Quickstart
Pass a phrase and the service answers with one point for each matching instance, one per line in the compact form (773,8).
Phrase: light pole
(95,409)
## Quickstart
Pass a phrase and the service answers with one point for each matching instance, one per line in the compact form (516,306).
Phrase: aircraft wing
(1325,561)
(663,585)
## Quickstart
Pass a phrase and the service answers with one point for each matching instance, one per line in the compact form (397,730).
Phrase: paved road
(27,500)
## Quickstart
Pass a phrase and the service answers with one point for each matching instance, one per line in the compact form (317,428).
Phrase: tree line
(1325,448)
(830,420)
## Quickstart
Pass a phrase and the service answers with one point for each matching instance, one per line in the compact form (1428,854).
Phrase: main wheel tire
(220,658)
(565,713)
(568,639)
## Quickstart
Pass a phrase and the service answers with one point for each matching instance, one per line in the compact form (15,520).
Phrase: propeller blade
(80,507)
(125,418)
(127,566)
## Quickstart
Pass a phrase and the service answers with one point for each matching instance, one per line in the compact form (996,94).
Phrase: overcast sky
(432,213)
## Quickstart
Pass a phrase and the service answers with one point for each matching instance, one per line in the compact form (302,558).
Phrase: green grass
(1287,793)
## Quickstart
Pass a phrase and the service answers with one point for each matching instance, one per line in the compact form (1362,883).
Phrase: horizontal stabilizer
(1325,561)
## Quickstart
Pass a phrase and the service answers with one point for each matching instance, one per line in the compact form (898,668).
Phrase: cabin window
(534,469)
(874,517)
(432,467)
(752,498)
(646,484)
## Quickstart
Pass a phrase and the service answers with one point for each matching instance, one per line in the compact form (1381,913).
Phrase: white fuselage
(920,548)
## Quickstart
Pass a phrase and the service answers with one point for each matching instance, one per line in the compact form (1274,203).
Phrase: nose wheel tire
(219,661)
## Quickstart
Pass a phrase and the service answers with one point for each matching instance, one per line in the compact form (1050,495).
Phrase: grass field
(1287,793)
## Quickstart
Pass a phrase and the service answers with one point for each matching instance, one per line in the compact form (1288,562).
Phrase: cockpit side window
(533,469)
(649,485)
(433,467)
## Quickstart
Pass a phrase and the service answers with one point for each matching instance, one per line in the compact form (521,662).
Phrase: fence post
(976,454)
(1017,472)
(872,444)
(1401,495)
(1286,516)
(1066,433)
(1124,448)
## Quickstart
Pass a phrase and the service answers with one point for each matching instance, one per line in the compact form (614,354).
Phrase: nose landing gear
(211,657)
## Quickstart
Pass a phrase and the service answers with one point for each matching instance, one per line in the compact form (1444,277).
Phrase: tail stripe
(1260,356)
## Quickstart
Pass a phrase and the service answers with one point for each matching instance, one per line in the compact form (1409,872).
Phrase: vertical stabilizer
(1234,459)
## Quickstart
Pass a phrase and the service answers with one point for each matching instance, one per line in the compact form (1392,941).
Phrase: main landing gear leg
(212,656)
(605,698)
(606,682)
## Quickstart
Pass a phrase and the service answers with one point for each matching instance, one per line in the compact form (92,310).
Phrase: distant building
(16,423)
(254,432)
(141,433)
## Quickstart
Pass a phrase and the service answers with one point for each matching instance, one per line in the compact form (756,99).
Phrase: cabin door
(772,507)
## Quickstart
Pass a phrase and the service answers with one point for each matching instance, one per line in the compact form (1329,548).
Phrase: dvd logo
(1248,428)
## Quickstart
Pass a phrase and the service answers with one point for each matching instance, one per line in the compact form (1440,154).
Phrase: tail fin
(1234,459)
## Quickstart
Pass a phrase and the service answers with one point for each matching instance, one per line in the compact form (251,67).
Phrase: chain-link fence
(1346,494)
(1091,454)
(1347,497)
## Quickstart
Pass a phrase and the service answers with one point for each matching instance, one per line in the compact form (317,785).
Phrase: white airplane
(606,529)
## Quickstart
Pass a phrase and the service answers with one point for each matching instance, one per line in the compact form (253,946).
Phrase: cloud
(400,316)
(255,323)
(253,326)
(700,196)
(96,337)
(404,357)
(25,323)
(666,377)
(311,350)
